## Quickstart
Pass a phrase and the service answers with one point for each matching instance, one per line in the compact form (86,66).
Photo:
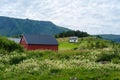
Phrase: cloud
(93,16)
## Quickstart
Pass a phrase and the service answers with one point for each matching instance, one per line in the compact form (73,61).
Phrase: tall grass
(82,63)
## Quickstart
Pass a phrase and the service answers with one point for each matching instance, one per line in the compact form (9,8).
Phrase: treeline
(72,33)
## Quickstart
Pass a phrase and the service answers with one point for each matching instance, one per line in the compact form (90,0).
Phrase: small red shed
(42,42)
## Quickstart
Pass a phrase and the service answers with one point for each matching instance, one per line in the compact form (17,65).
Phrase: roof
(40,39)
(73,37)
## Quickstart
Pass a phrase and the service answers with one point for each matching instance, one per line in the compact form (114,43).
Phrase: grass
(84,43)
(73,61)
(65,45)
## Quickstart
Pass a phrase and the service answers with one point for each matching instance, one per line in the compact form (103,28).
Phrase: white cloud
(93,16)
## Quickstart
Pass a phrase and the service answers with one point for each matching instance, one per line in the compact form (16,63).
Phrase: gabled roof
(40,39)
(73,37)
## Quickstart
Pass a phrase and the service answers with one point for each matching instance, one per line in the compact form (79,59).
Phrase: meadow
(90,59)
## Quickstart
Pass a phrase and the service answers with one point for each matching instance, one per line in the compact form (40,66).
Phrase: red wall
(42,47)
(23,43)
(36,46)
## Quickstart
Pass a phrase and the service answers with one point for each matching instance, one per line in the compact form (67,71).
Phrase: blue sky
(92,16)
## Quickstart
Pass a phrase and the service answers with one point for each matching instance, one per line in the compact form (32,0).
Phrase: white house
(73,39)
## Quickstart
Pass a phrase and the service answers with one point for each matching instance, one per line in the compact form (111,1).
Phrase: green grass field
(85,43)
(89,59)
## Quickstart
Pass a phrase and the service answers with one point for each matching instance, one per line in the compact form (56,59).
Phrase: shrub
(63,56)
(115,60)
(54,71)
(107,57)
(9,46)
(35,54)
(2,51)
(75,48)
(17,59)
(100,44)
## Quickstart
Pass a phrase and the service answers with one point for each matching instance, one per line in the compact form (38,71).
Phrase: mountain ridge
(112,37)
(14,26)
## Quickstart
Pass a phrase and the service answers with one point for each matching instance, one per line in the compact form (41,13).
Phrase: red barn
(42,42)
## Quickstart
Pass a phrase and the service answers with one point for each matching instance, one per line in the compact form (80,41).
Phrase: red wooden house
(42,42)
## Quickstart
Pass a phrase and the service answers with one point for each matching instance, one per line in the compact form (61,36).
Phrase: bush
(2,51)
(35,54)
(107,57)
(97,44)
(9,46)
(17,59)
(54,71)
(100,44)
(63,56)
(75,48)
(115,60)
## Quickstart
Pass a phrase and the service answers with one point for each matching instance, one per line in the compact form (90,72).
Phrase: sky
(92,16)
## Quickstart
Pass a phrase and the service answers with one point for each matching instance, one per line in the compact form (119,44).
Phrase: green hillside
(112,37)
(90,59)
(13,26)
